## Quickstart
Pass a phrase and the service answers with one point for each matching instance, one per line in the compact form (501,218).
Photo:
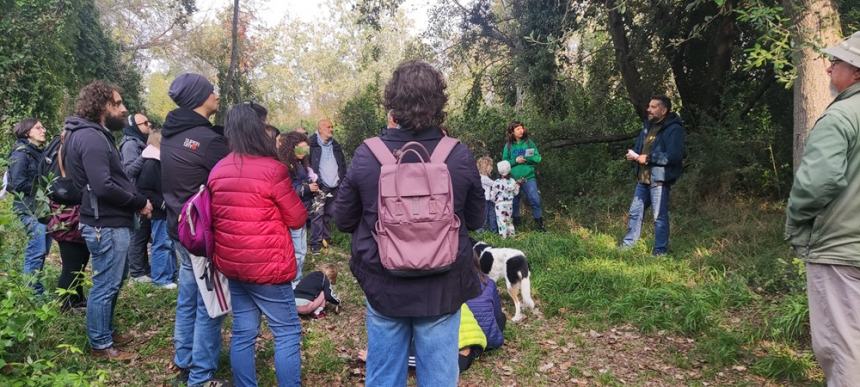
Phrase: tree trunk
(639,94)
(815,24)
(232,72)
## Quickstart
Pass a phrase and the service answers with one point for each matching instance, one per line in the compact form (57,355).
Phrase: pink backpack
(417,231)
(195,224)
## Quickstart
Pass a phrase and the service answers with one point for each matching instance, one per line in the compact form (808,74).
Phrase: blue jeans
(436,352)
(108,253)
(196,337)
(656,197)
(530,189)
(38,246)
(300,244)
(163,261)
(490,220)
(277,303)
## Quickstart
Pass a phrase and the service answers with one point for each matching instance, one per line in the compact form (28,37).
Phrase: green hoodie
(520,148)
(823,212)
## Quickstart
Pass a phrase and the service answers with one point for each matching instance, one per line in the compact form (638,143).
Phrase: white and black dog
(511,264)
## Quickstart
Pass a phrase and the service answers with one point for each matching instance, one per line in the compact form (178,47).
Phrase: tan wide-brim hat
(847,50)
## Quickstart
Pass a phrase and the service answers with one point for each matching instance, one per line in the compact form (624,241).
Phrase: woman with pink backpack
(253,208)
(408,199)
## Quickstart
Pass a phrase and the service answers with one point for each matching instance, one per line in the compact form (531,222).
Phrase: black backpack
(61,189)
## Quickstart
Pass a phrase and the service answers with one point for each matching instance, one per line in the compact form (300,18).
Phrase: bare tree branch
(598,139)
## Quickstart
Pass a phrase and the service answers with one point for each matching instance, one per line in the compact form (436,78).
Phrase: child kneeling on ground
(315,290)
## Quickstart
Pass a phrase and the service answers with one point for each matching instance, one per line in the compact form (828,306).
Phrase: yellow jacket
(470,332)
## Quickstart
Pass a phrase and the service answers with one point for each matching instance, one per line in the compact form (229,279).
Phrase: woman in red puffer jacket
(253,208)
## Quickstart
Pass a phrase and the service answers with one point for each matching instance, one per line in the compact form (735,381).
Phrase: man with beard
(658,156)
(328,162)
(190,148)
(822,223)
(131,146)
(109,201)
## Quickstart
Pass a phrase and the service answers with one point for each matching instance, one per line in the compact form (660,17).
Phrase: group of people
(267,189)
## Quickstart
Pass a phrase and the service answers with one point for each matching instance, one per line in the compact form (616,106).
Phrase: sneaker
(214,383)
(167,286)
(144,279)
(315,250)
(180,375)
(112,354)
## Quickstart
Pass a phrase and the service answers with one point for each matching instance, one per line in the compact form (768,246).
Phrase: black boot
(539,224)
(517,221)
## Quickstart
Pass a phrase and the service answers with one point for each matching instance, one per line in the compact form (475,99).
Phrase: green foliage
(772,46)
(29,355)
(50,49)
(784,364)
(360,117)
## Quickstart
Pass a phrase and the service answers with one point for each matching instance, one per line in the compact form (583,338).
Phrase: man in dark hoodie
(108,205)
(132,144)
(658,156)
(190,147)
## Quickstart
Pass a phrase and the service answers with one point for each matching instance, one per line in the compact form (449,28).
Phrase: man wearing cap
(130,147)
(823,220)
(190,147)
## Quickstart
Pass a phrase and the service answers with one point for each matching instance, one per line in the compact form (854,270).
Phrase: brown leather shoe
(113,354)
(120,340)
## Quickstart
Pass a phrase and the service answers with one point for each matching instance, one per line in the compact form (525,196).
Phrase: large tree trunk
(816,24)
(638,92)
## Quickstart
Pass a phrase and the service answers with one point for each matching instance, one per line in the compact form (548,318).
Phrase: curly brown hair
(287,153)
(416,97)
(93,100)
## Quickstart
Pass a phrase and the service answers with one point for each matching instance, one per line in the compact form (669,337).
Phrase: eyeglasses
(143,123)
(835,61)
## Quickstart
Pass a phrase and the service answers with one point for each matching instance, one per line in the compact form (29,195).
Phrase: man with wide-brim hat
(823,220)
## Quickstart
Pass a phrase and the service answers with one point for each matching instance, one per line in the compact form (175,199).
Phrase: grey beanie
(190,90)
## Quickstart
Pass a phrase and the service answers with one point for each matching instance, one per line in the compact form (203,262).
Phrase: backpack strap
(380,151)
(443,149)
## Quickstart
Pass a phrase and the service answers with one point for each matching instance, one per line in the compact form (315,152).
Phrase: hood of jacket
(74,123)
(182,119)
(133,130)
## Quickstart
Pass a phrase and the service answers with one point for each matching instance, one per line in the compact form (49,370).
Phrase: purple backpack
(417,231)
(195,224)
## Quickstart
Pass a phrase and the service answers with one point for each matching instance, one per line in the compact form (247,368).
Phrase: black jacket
(92,161)
(149,184)
(130,147)
(23,174)
(356,213)
(312,284)
(316,154)
(190,147)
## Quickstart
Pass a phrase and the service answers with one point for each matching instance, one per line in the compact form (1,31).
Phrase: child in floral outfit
(503,191)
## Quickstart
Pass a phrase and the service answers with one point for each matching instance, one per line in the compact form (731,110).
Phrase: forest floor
(609,317)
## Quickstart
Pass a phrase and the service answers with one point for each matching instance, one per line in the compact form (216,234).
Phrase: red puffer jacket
(253,208)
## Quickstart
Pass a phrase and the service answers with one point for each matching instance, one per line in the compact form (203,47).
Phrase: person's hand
(629,155)
(643,159)
(146,210)
(314,187)
(521,159)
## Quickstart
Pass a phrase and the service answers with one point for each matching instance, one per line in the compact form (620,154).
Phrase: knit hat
(504,167)
(847,50)
(190,90)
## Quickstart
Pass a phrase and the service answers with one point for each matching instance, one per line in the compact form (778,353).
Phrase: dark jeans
(75,257)
(138,258)
(320,223)
(490,223)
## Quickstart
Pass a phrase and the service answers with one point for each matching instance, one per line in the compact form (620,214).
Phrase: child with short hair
(149,184)
(503,192)
(315,290)
(293,150)
(485,169)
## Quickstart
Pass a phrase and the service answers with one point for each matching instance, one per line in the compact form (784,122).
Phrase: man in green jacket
(823,220)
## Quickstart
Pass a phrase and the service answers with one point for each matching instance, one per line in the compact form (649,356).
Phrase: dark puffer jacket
(316,155)
(130,147)
(23,174)
(487,308)
(356,213)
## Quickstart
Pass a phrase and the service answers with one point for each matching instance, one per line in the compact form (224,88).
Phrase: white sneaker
(169,286)
(144,279)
